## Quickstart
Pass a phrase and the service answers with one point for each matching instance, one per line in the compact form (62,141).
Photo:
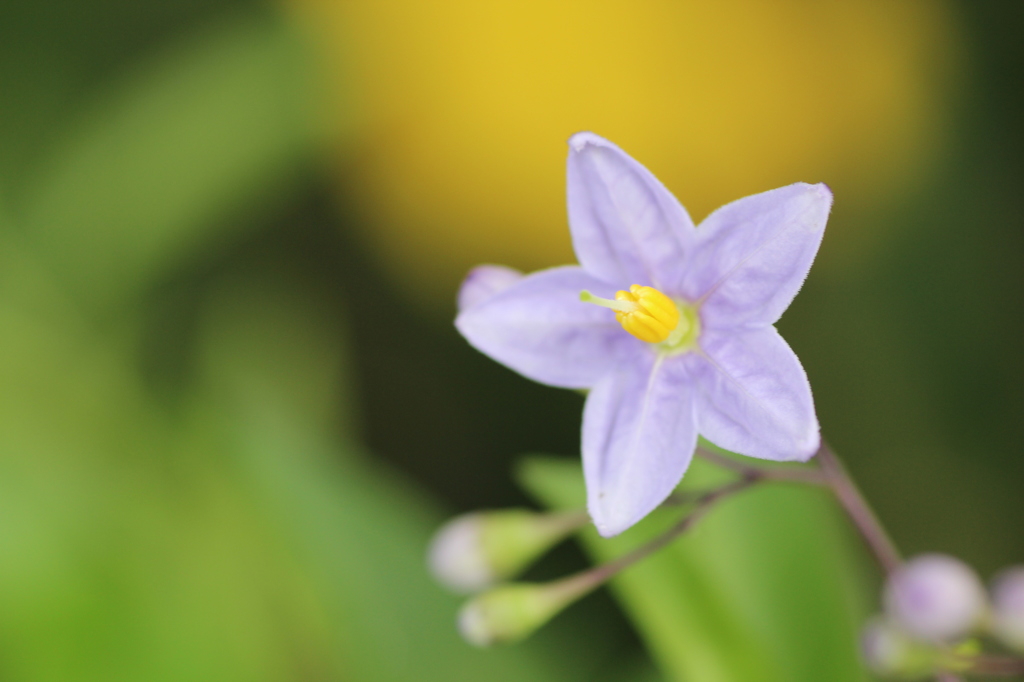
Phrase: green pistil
(684,337)
(612,304)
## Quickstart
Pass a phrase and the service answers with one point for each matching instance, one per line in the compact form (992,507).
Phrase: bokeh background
(232,403)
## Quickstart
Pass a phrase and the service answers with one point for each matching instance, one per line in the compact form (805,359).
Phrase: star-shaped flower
(687,346)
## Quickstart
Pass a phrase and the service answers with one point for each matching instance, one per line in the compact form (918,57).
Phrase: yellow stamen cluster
(644,312)
(654,317)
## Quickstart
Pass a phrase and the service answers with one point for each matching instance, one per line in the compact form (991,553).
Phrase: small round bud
(935,597)
(456,555)
(485,281)
(474,551)
(889,652)
(1008,607)
(512,612)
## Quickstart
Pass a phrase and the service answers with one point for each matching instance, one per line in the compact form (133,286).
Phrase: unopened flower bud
(512,612)
(890,652)
(1008,607)
(474,551)
(935,597)
(485,281)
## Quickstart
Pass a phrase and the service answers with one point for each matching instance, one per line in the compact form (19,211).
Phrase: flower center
(651,316)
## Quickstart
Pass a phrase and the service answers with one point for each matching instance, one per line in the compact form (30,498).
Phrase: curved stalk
(830,473)
(859,511)
(702,505)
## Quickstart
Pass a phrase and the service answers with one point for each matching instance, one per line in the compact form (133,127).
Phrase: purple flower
(686,346)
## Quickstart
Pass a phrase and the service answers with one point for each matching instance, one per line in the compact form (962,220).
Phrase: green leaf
(239,540)
(358,529)
(164,156)
(764,588)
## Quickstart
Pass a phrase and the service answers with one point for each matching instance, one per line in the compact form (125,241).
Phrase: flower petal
(540,328)
(639,434)
(483,282)
(626,227)
(753,255)
(752,395)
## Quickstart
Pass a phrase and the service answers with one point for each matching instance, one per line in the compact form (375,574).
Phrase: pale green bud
(891,652)
(510,613)
(474,551)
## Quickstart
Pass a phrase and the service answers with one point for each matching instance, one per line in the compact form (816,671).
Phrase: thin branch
(703,504)
(723,461)
(831,473)
(860,513)
(772,473)
(680,498)
(997,666)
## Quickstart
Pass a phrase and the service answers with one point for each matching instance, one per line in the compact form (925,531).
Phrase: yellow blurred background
(462,109)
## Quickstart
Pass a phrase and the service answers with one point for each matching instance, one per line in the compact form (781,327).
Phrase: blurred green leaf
(765,588)
(164,155)
(361,531)
(238,540)
(127,552)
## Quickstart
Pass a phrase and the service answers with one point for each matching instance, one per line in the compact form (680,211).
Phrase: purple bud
(1008,607)
(485,281)
(935,597)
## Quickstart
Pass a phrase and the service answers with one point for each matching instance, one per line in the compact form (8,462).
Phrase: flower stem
(702,505)
(796,475)
(832,474)
(997,666)
(860,513)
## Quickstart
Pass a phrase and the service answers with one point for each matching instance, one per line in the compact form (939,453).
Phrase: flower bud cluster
(475,552)
(935,608)
(1008,607)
